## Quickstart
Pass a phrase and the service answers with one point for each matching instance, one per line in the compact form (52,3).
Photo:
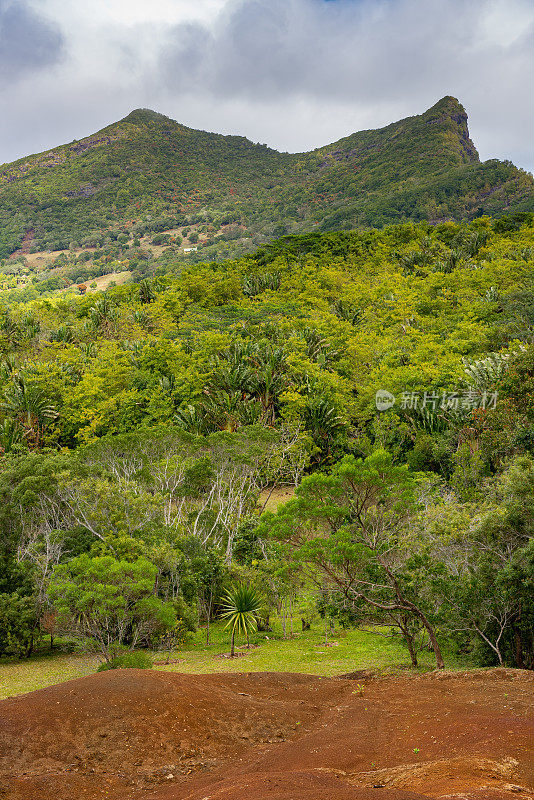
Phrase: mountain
(152,169)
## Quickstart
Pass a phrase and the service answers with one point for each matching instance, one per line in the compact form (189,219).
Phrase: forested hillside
(150,173)
(144,428)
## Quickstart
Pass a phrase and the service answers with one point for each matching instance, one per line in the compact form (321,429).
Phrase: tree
(11,436)
(108,603)
(279,580)
(146,292)
(19,624)
(488,570)
(209,570)
(29,406)
(240,607)
(352,527)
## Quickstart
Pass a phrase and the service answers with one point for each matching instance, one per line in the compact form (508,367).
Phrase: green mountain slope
(148,167)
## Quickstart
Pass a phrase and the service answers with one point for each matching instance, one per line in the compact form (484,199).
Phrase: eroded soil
(133,734)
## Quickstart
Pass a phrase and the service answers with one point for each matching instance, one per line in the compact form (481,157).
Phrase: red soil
(133,734)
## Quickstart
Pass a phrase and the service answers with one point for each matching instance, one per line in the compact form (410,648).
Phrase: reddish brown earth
(132,734)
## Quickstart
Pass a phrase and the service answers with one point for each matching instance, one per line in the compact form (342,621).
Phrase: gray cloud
(28,41)
(342,49)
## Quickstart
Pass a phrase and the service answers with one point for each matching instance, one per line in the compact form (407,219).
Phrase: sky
(293,74)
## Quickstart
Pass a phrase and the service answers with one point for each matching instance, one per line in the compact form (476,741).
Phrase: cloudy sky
(294,74)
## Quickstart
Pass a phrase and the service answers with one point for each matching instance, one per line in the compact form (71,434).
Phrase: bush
(127,661)
(18,625)
(108,603)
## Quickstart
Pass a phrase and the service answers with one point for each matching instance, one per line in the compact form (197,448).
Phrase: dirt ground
(134,734)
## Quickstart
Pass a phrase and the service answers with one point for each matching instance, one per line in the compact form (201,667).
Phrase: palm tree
(240,607)
(30,327)
(228,411)
(103,315)
(10,331)
(142,318)
(191,419)
(29,405)
(269,364)
(324,423)
(10,435)
(146,292)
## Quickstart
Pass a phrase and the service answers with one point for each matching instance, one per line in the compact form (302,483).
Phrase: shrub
(108,603)
(127,661)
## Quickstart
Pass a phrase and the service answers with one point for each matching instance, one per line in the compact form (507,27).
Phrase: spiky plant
(28,405)
(11,434)
(190,419)
(240,608)
(486,372)
(146,292)
(103,315)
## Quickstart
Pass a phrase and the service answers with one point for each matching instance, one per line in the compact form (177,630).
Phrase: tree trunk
(518,642)
(264,625)
(29,648)
(409,639)
(407,607)
(232,646)
(411,650)
(440,664)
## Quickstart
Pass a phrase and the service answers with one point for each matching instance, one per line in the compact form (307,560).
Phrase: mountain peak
(145,116)
(450,114)
(448,104)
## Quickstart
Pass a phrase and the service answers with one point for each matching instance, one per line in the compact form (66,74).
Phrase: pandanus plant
(241,606)
(29,406)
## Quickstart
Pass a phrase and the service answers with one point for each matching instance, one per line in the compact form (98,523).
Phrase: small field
(302,653)
(103,281)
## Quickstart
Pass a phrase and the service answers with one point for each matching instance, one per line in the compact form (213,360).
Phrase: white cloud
(129,12)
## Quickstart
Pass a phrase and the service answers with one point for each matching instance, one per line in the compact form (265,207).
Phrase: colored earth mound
(132,734)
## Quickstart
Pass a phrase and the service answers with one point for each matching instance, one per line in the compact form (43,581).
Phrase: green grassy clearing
(305,652)
(18,677)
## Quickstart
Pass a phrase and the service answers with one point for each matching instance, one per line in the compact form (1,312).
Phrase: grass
(305,652)
(102,281)
(18,677)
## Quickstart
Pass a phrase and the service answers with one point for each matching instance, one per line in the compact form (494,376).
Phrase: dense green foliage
(138,660)
(109,602)
(352,524)
(149,174)
(143,428)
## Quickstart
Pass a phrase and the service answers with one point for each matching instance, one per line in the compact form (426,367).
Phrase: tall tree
(352,527)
